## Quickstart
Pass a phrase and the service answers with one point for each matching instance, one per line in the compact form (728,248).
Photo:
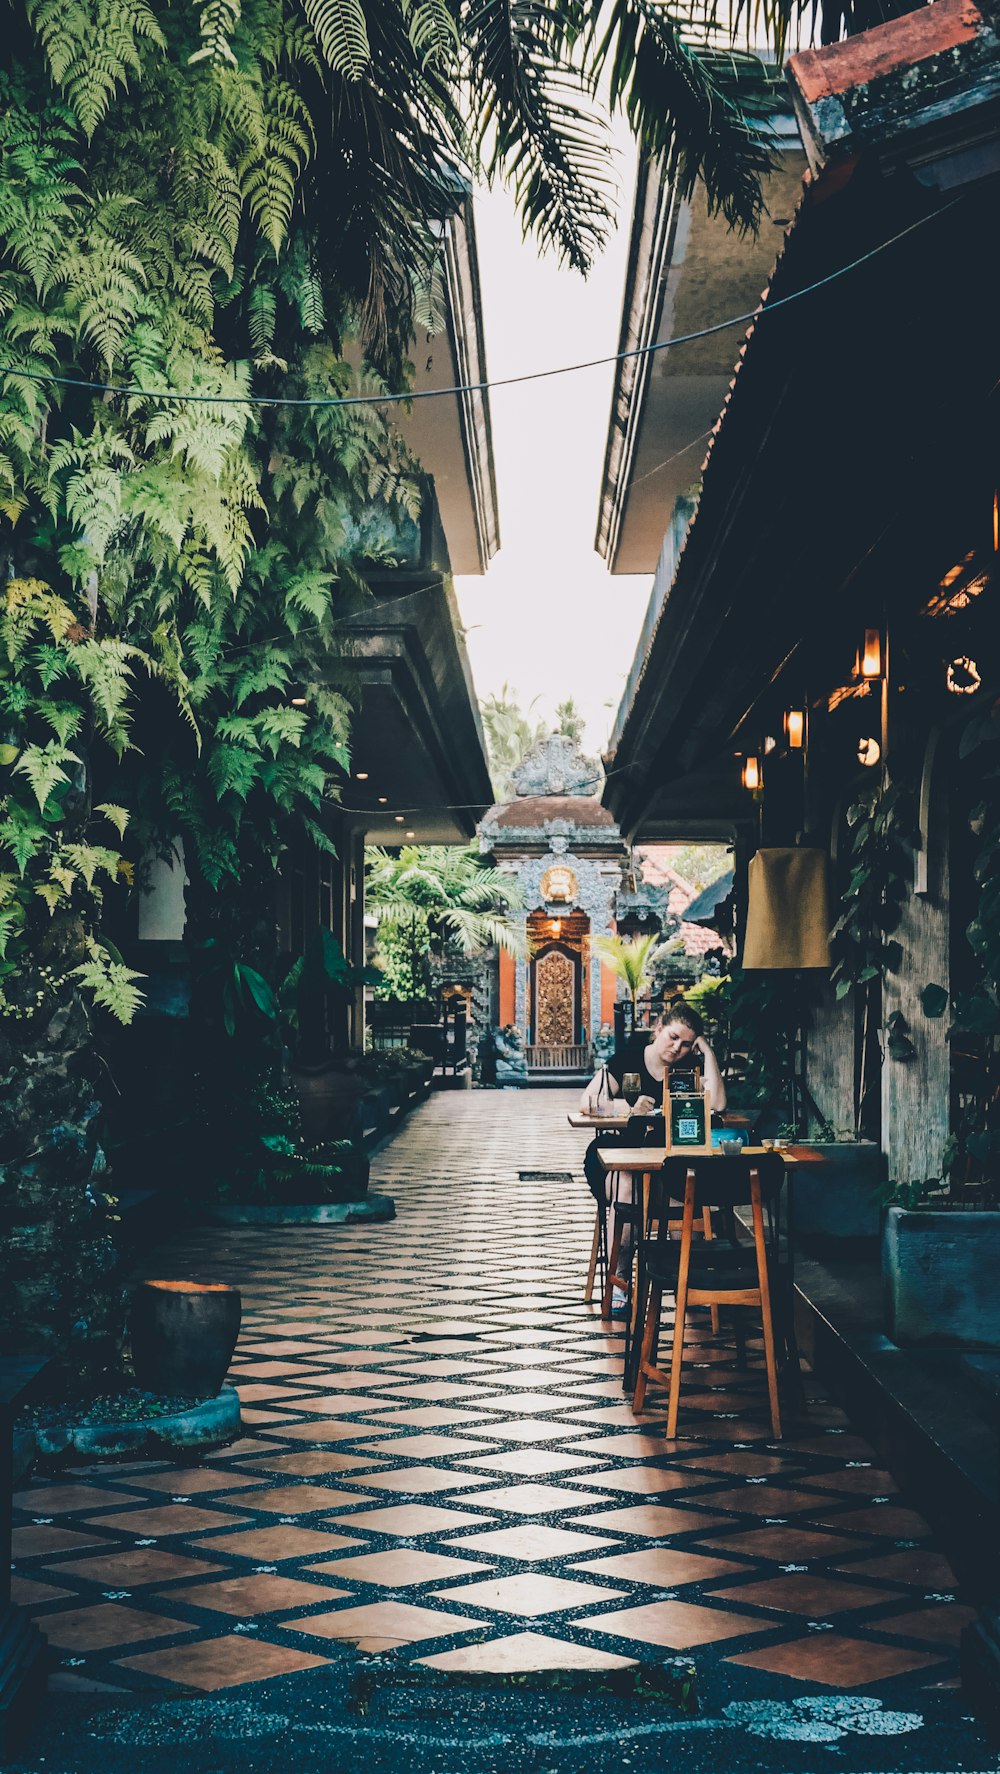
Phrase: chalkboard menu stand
(687,1119)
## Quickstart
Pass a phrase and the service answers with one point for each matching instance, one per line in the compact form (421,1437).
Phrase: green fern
(342,34)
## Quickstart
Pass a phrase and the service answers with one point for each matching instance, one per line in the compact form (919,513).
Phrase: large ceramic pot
(183,1336)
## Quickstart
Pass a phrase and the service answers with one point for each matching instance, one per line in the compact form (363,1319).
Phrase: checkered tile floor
(438,1459)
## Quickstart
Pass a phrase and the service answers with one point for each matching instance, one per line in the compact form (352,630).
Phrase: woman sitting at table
(676,1041)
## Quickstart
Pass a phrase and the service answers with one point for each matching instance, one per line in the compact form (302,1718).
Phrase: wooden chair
(713,1273)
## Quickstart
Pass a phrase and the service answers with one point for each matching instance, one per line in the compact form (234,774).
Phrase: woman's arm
(588,1101)
(713,1077)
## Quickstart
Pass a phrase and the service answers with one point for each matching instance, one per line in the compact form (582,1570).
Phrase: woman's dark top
(632,1058)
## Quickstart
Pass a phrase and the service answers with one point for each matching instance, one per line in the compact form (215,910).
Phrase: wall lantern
(795,728)
(869,751)
(963,676)
(751,773)
(871,658)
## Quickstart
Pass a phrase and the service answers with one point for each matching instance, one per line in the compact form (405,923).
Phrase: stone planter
(183,1336)
(209,1424)
(939,1272)
(374,1111)
(839,1198)
(374,1208)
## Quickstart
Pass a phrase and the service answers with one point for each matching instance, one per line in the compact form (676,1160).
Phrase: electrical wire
(390,399)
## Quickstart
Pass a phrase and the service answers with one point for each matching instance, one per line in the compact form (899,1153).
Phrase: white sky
(548,618)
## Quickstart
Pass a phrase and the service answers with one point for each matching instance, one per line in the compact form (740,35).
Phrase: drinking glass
(631,1088)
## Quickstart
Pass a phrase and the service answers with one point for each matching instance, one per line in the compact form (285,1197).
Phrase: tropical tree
(510,736)
(429,898)
(629,958)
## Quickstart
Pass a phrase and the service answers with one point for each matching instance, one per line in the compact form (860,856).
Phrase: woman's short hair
(677,1011)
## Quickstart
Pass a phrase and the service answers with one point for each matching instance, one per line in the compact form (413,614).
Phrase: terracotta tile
(527,1461)
(238,1450)
(918,1565)
(337,1404)
(530,1593)
(898,1524)
(661,1565)
(259,1593)
(300,1499)
(192,1480)
(835,1661)
(749,1464)
(258,1391)
(533,1499)
(313,1463)
(802,1592)
(108,1623)
(410,1519)
(676,1625)
(266,1419)
(327,1430)
(784,1544)
(523,1652)
(764,1500)
(271,1545)
(170,1518)
(426,1416)
(941,1624)
(437,1390)
(647,1480)
(378,1626)
(132,1567)
(273,1370)
(526,1379)
(414,1481)
(529,1429)
(427,1447)
(400,1567)
(867,1481)
(76,1499)
(26,1593)
(222,1662)
(652,1519)
(48,1542)
(532,1541)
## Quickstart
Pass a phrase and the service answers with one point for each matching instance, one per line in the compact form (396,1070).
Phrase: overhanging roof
(451,434)
(855,410)
(416,733)
(686,270)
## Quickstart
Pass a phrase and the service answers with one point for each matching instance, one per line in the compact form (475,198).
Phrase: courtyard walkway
(439,1461)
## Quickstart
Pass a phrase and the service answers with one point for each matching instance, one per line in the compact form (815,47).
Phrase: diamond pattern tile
(438,1460)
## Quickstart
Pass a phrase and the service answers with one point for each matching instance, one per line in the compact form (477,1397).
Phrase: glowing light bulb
(751,773)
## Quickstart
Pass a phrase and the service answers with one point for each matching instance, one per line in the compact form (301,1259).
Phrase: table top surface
(580,1118)
(649,1158)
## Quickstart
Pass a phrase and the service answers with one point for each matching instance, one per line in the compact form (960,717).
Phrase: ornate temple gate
(558,991)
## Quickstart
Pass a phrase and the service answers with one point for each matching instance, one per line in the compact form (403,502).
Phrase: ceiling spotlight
(398,817)
(361,776)
(869,751)
(963,676)
(410,834)
(298,702)
(383,800)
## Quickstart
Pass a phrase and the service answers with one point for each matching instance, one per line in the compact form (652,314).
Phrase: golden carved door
(555,999)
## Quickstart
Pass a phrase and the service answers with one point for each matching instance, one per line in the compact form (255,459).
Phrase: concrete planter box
(939,1272)
(838,1199)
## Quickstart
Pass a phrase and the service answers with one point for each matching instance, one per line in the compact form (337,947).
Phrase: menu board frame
(687,1107)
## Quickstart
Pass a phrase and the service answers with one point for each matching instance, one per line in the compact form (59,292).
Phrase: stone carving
(512,1067)
(556,767)
(555,987)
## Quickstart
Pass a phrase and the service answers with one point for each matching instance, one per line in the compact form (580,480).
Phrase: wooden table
(646,1161)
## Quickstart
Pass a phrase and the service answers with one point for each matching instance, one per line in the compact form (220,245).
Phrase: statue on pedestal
(512,1067)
